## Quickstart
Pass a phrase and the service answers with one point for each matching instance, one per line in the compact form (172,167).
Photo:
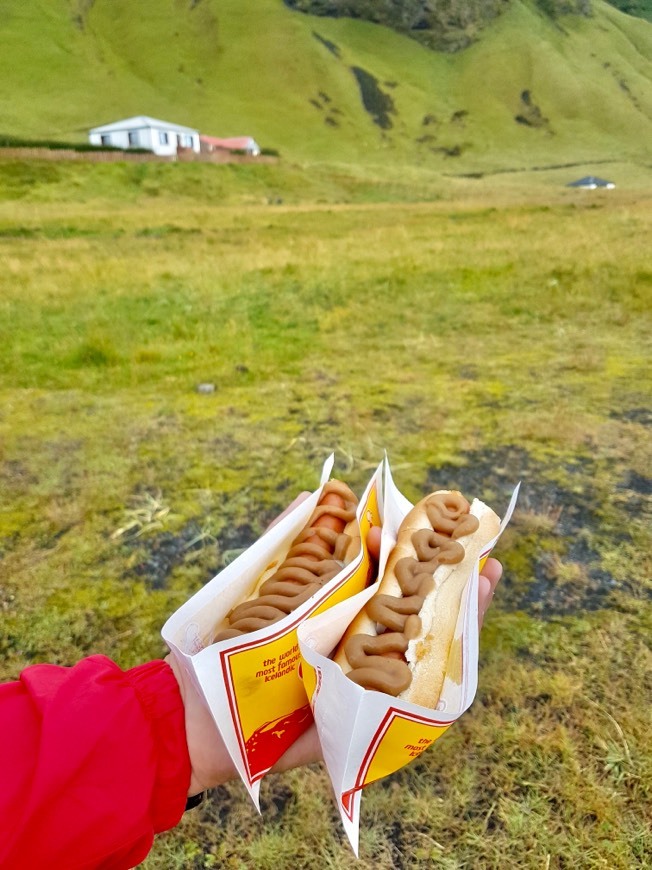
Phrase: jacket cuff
(158,692)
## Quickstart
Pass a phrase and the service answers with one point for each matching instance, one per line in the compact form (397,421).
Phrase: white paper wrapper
(366,735)
(251,683)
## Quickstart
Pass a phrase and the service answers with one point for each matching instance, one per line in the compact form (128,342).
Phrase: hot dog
(400,642)
(329,541)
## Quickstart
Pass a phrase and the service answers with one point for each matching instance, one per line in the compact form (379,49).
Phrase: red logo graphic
(271,740)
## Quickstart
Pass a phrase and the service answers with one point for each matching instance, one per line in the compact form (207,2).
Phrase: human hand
(210,761)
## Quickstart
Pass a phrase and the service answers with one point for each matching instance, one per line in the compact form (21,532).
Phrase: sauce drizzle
(378,661)
(314,558)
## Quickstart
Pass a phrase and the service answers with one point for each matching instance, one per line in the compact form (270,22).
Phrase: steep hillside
(529,91)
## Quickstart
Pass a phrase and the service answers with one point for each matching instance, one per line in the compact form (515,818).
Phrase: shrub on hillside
(638,8)
(557,8)
(447,25)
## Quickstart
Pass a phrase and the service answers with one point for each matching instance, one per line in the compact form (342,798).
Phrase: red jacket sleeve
(93,762)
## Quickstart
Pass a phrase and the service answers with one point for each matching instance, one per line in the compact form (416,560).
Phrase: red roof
(236,143)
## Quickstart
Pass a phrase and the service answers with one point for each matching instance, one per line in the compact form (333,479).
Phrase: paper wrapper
(251,683)
(366,735)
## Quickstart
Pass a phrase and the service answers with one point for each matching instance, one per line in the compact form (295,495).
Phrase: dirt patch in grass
(568,519)
(163,552)
(277,800)
(642,416)
(16,476)
(224,805)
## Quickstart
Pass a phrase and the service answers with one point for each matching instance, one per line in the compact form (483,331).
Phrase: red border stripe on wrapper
(347,803)
(391,714)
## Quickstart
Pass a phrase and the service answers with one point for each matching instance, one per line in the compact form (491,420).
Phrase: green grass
(233,69)
(482,330)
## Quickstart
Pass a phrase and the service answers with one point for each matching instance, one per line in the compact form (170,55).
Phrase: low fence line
(129,157)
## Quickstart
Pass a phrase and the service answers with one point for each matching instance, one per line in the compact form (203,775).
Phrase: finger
(373,542)
(492,571)
(485,594)
(297,501)
(491,574)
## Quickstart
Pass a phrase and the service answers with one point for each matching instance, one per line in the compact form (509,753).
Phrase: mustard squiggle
(378,662)
(314,558)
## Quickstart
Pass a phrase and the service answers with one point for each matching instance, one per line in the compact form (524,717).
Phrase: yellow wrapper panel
(401,738)
(267,700)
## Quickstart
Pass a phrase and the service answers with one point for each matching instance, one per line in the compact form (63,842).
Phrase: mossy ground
(499,331)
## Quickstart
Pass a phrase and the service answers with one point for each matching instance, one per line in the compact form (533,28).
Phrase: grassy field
(481,330)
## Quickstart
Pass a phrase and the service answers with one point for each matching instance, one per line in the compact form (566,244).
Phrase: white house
(161,137)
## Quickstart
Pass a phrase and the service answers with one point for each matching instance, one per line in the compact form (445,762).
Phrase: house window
(133,137)
(187,141)
(163,138)
(105,139)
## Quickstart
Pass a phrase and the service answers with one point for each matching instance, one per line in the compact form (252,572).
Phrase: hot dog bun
(330,540)
(400,644)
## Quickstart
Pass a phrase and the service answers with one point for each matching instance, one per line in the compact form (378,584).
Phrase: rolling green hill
(529,91)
